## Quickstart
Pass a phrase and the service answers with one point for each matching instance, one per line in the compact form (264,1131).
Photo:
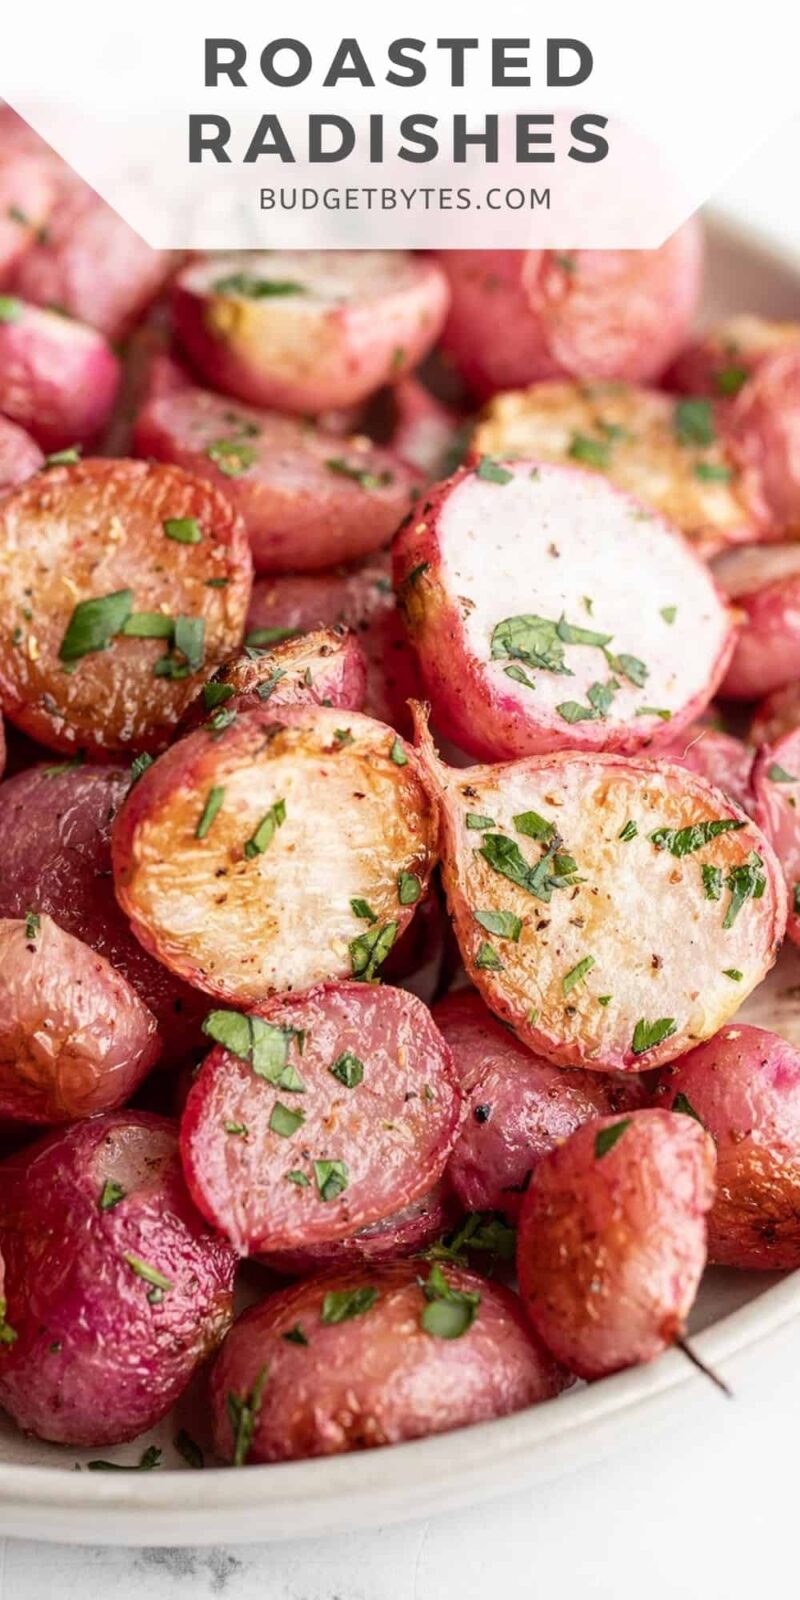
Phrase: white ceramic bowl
(42,1496)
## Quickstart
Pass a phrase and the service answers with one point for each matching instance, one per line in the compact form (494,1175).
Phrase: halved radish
(309,499)
(763,581)
(665,452)
(303,330)
(283,850)
(20,455)
(720,360)
(119,582)
(318,1116)
(522,588)
(58,378)
(776,785)
(520,315)
(613,911)
(612,1239)
(327,668)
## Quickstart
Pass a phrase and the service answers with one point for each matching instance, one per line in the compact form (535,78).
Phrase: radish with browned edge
(602,903)
(285,849)
(305,330)
(119,583)
(326,667)
(521,586)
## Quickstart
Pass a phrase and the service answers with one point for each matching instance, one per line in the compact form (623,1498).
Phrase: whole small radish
(612,1239)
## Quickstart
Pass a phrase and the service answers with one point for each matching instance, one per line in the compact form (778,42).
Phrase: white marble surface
(705,1506)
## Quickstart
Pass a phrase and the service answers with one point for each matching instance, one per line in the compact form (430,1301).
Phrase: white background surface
(704,1506)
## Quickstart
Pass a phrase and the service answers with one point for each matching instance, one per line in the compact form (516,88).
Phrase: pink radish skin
(327,667)
(425,432)
(518,316)
(391,1131)
(90,264)
(614,955)
(778,713)
(55,858)
(776,786)
(763,436)
(549,538)
(360,597)
(58,378)
(309,499)
(404,1233)
(612,1240)
(719,362)
(75,1038)
(27,192)
(350,322)
(354,821)
(519,1106)
(101,1351)
(377,1378)
(744,1086)
(20,455)
(724,760)
(764,584)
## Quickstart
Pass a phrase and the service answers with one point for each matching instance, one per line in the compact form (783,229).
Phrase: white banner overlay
(448,125)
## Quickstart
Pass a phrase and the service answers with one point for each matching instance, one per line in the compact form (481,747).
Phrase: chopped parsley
(778,774)
(646,1035)
(33,923)
(263,1045)
(629,831)
(729,380)
(369,951)
(669,613)
(295,1335)
(577,974)
(590,452)
(409,888)
(331,1179)
(341,1305)
(745,882)
(694,423)
(284,1121)
(532,826)
(348,1069)
(682,1104)
(712,881)
(94,623)
(211,809)
(110,1195)
(191,1452)
(150,1458)
(262,638)
(360,475)
(606,1139)
(449,1312)
(216,694)
(265,832)
(490,471)
(684,841)
(159,1285)
(397,754)
(487,959)
(10,308)
(478,823)
(243,1413)
(504,924)
(362,909)
(733,973)
(250,288)
(552,870)
(232,456)
(184,530)
(711,472)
